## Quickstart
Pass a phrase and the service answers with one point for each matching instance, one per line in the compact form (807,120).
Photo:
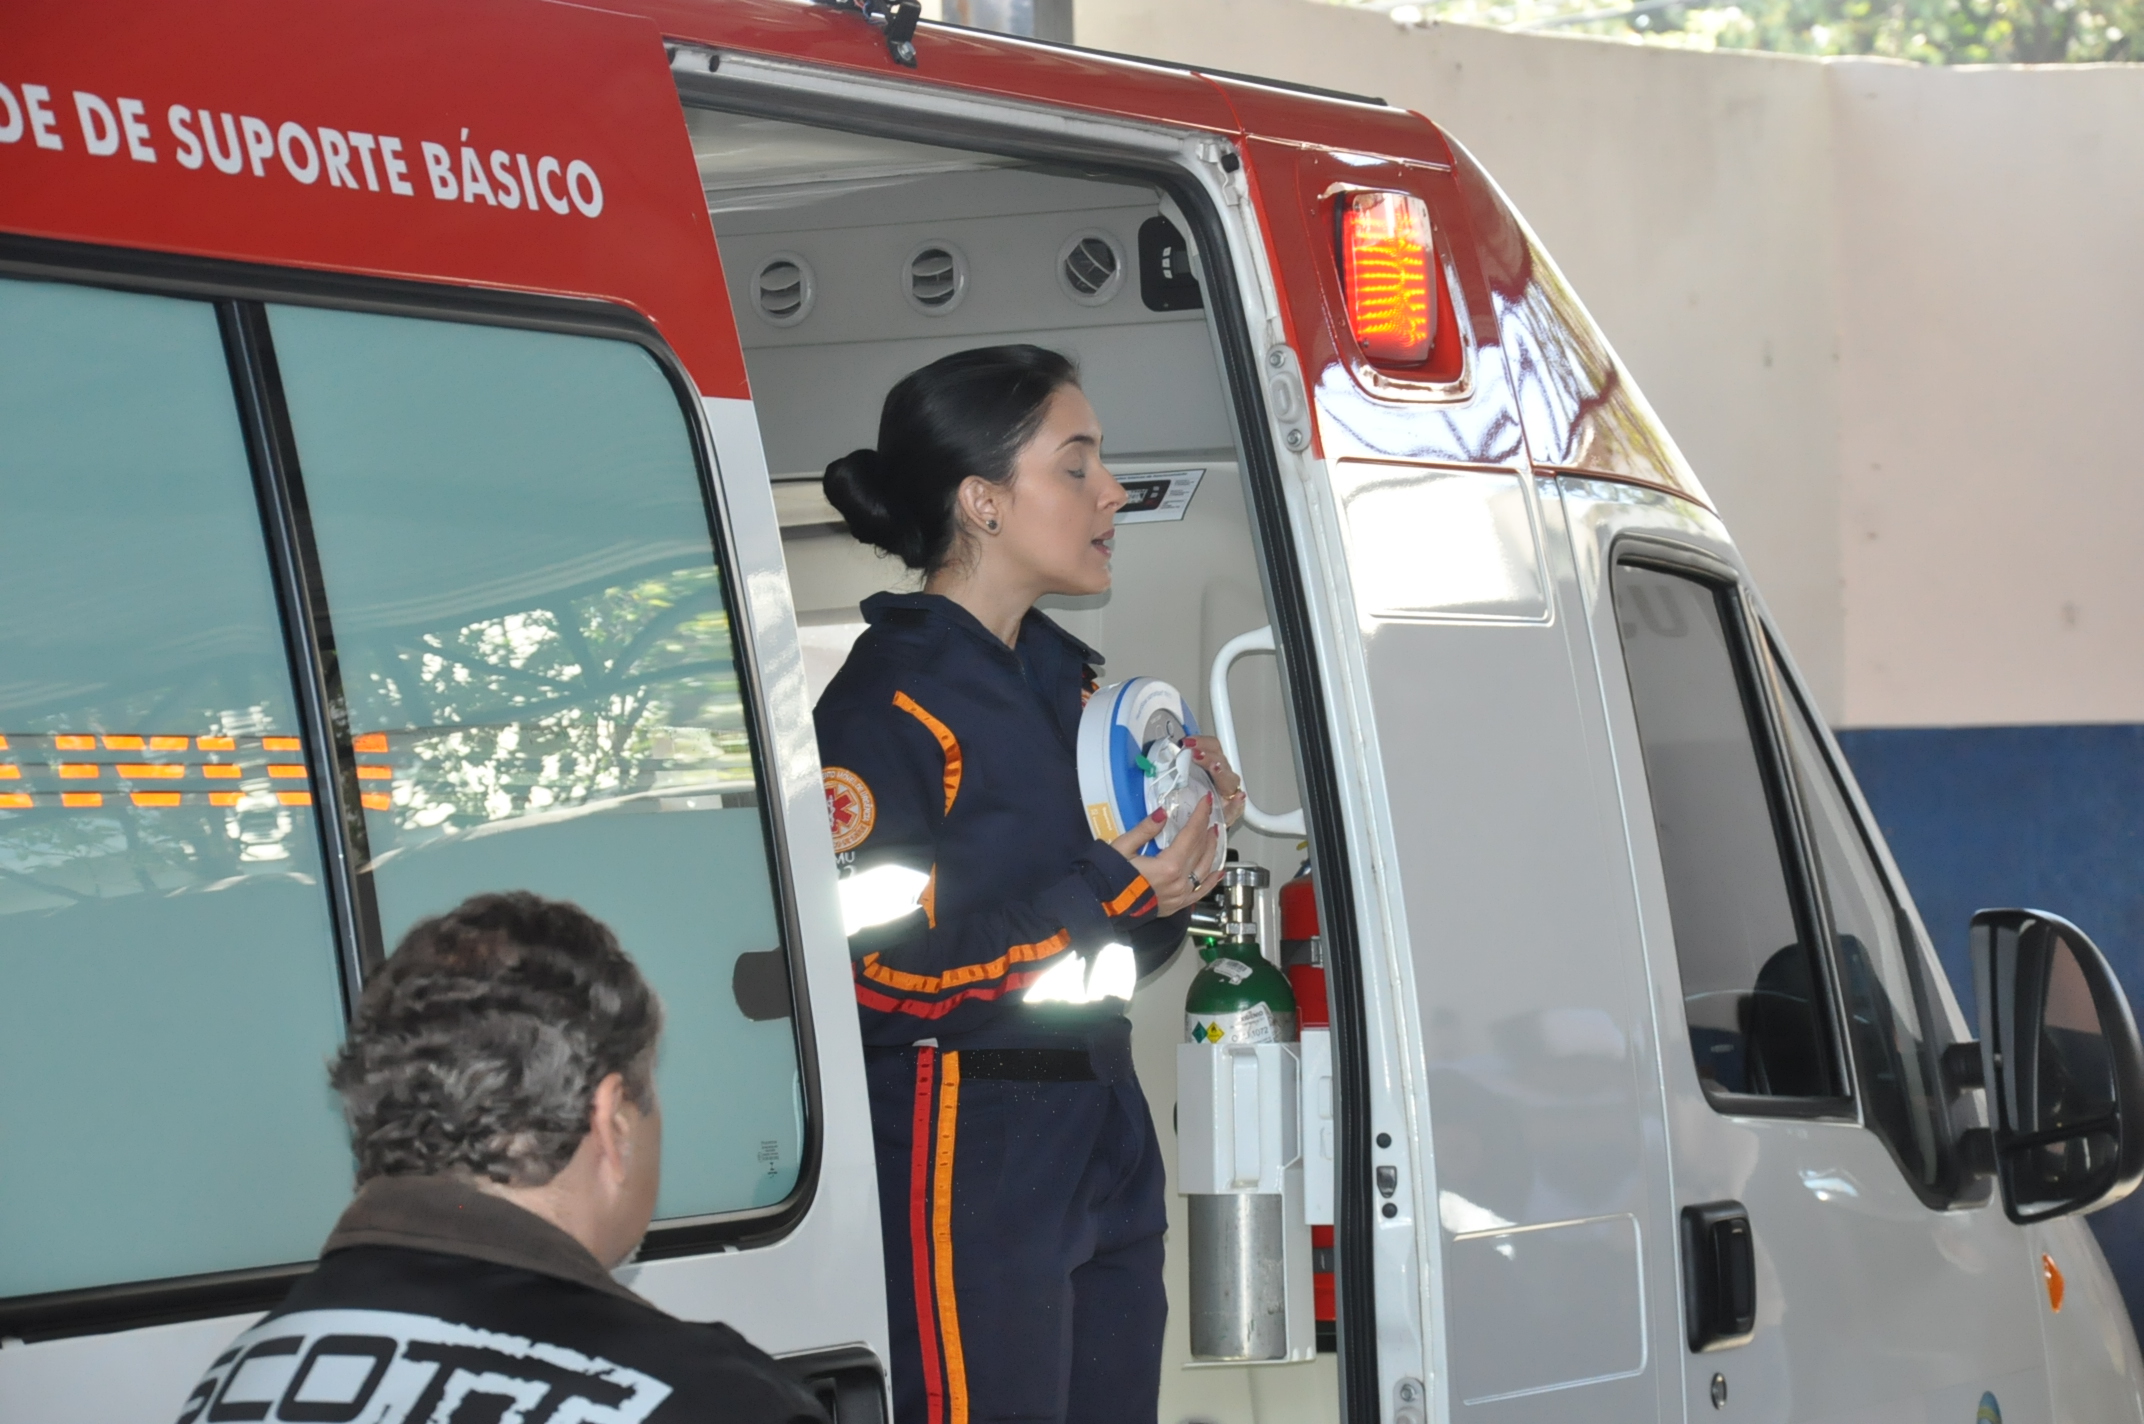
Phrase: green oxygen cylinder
(1239,1240)
(1239,996)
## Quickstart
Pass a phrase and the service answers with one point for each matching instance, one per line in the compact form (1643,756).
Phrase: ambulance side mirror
(2062,1065)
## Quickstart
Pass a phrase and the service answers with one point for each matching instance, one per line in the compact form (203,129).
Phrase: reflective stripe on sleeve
(947,743)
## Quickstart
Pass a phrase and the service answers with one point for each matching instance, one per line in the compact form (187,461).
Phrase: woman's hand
(1179,874)
(1206,751)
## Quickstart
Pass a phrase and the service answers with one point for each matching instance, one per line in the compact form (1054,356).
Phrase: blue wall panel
(2046,817)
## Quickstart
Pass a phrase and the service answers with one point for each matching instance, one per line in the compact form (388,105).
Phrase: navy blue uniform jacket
(950,753)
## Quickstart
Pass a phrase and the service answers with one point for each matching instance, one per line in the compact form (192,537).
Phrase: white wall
(1989,392)
(1888,312)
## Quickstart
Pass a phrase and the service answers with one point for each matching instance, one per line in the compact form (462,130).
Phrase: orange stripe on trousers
(956,1366)
(919,1240)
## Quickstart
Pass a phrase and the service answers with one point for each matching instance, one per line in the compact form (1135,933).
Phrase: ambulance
(410,426)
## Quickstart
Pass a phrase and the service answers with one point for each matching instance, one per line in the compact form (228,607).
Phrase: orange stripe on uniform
(1129,898)
(919,1239)
(872,999)
(966,973)
(956,1365)
(947,743)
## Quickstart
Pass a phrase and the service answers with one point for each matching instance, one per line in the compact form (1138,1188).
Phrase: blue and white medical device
(1133,762)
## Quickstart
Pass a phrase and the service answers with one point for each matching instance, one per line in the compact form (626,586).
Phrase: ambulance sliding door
(493,641)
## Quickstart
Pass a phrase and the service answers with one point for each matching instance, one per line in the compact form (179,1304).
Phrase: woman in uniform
(995,940)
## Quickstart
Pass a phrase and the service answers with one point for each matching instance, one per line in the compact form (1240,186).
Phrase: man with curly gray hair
(499,1082)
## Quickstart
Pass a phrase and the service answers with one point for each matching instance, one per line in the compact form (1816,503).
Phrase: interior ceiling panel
(748,164)
(849,212)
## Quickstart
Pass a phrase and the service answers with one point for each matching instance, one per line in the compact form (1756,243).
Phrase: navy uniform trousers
(1023,1225)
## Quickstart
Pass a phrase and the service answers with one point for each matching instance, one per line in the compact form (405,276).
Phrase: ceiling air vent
(1091,268)
(783,289)
(936,278)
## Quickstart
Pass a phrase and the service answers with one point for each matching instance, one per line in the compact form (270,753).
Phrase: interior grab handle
(1258,640)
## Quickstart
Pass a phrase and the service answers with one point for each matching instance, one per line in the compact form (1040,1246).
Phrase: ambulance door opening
(853,259)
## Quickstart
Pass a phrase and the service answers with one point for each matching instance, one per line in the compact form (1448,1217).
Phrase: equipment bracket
(896,17)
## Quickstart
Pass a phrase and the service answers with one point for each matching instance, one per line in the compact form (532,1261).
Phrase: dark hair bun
(964,416)
(857,486)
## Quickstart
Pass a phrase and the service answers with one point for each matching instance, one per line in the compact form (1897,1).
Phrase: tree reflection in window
(625,691)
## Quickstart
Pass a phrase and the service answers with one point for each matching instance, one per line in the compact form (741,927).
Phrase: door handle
(1258,640)
(847,1380)
(1719,1275)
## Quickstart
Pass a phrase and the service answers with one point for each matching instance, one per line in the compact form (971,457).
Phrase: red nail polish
(1161,815)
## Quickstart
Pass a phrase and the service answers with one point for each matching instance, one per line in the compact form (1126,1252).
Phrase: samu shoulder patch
(850,809)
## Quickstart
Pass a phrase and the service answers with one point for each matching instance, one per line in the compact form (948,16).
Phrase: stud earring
(991,525)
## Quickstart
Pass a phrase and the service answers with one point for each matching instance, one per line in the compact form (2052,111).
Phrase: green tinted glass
(168,992)
(537,658)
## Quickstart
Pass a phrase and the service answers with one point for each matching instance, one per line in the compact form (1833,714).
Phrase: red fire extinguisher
(1303,956)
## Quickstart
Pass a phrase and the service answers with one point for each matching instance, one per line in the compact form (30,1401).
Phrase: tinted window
(168,984)
(541,684)
(1752,994)
(1888,1007)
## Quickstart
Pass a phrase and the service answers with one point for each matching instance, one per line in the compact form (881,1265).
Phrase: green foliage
(1944,31)
(1924,31)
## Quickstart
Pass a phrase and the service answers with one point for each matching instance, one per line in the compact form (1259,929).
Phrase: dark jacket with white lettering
(436,1301)
(954,755)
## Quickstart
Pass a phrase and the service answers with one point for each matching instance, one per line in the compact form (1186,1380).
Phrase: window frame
(239,294)
(1954,1187)
(1790,825)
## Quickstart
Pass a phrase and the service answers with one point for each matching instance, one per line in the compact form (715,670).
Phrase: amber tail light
(1387,266)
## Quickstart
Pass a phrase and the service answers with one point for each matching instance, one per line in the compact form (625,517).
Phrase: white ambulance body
(448,520)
